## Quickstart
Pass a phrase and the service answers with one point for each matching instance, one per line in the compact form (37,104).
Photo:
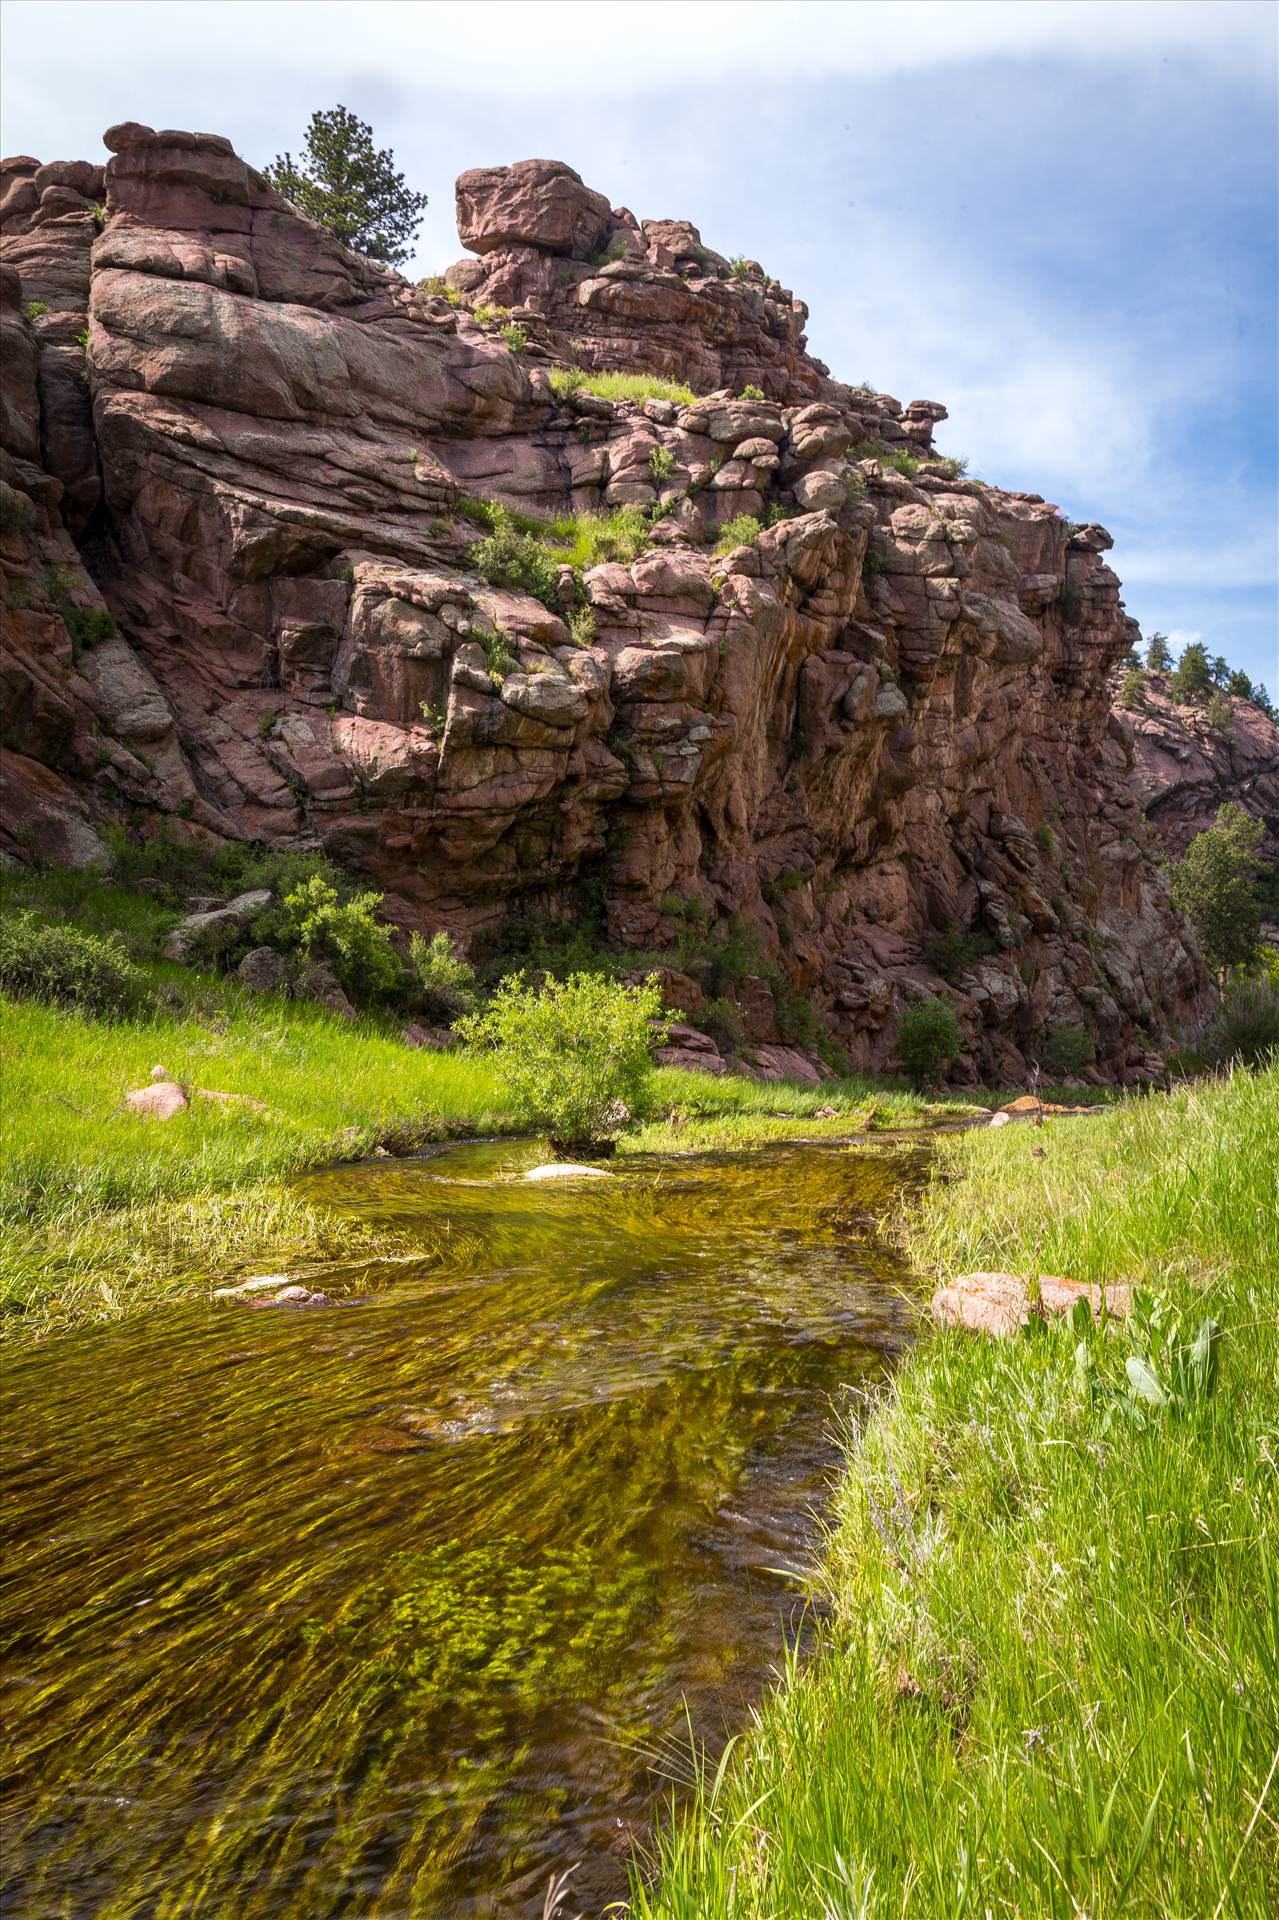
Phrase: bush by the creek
(66,966)
(1245,1027)
(1066,1051)
(444,981)
(574,1056)
(342,934)
(928,1039)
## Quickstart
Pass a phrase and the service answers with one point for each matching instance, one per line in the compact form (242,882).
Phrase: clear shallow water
(395,1609)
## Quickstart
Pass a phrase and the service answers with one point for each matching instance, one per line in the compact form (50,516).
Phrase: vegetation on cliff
(351,187)
(1049,1681)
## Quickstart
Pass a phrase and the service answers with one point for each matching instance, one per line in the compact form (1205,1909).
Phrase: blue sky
(1058,219)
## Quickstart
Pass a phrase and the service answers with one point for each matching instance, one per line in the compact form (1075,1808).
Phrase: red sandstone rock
(1184,768)
(283,431)
(160,1101)
(536,203)
(999,1303)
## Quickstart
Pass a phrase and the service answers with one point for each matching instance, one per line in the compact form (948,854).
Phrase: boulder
(211,929)
(690,1050)
(535,203)
(293,1296)
(786,1063)
(263,970)
(160,1101)
(319,983)
(439,1039)
(1000,1304)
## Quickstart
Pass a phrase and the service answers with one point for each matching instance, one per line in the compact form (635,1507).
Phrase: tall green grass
(1049,1680)
(616,385)
(100,1209)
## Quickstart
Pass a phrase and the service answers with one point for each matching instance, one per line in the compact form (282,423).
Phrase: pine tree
(1239,685)
(351,187)
(1192,677)
(1158,653)
(1215,885)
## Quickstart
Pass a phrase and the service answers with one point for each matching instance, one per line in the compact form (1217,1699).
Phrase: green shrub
(581,626)
(1215,884)
(954,467)
(498,657)
(1045,839)
(661,462)
(739,267)
(17,514)
(1133,691)
(87,626)
(753,392)
(586,539)
(342,933)
(1220,716)
(515,336)
(614,250)
(615,385)
(1193,677)
(508,558)
(928,1039)
(445,981)
(441,289)
(573,1056)
(721,1021)
(545,944)
(66,966)
(741,531)
(35,310)
(1246,1025)
(953,952)
(1066,1051)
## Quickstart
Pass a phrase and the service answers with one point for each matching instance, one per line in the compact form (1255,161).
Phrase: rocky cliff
(1185,765)
(240,485)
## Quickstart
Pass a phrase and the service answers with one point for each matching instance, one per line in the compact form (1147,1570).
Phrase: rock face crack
(871,741)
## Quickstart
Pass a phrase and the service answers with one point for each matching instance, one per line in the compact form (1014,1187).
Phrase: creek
(397,1608)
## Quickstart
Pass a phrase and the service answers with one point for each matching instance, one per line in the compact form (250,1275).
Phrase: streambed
(396,1608)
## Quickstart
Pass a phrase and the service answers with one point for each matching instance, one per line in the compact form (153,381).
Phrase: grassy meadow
(1048,1682)
(103,1210)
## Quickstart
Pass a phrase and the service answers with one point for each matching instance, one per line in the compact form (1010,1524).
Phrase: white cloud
(632,46)
(1179,638)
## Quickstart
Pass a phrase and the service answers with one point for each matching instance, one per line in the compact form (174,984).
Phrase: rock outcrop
(240,596)
(1185,765)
